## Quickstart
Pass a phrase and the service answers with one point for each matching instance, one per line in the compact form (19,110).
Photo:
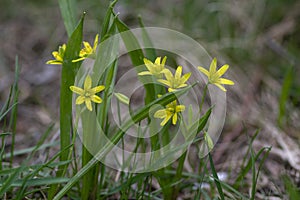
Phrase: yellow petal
(225,81)
(53,62)
(171,89)
(87,82)
(165,120)
(160,113)
(182,85)
(148,63)
(174,119)
(77,90)
(88,47)
(157,60)
(144,73)
(164,61)
(88,104)
(80,100)
(97,89)
(95,43)
(213,66)
(79,59)
(220,86)
(185,77)
(222,70)
(165,82)
(204,71)
(178,72)
(180,108)
(55,54)
(96,99)
(168,74)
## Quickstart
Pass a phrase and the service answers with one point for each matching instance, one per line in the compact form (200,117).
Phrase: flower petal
(225,81)
(168,117)
(168,74)
(213,66)
(88,104)
(222,70)
(87,47)
(79,59)
(87,82)
(148,64)
(80,100)
(185,77)
(144,73)
(174,119)
(96,99)
(53,62)
(167,83)
(220,86)
(204,71)
(77,90)
(180,108)
(160,113)
(95,43)
(157,60)
(164,61)
(97,89)
(178,72)
(171,89)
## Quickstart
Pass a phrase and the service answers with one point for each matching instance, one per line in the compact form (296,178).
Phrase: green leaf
(39,181)
(122,98)
(68,12)
(216,178)
(285,91)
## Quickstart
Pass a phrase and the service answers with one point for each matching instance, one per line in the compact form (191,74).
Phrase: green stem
(203,97)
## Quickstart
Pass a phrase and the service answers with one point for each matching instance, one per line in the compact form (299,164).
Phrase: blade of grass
(255,175)
(285,91)
(216,178)
(39,181)
(13,118)
(68,12)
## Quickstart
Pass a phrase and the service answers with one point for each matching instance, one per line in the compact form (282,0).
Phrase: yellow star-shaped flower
(87,94)
(88,51)
(58,55)
(157,68)
(175,82)
(169,112)
(214,76)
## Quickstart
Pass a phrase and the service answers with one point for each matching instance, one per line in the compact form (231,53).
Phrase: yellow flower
(88,51)
(155,68)
(176,81)
(58,55)
(87,94)
(214,76)
(169,112)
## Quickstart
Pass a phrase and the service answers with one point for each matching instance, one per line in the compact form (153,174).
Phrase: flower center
(87,94)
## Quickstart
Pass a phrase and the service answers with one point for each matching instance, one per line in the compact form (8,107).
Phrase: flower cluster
(87,52)
(58,55)
(178,81)
(173,82)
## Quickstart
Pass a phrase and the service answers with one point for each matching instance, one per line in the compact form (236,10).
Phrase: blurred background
(259,39)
